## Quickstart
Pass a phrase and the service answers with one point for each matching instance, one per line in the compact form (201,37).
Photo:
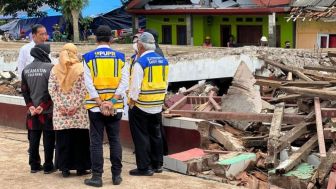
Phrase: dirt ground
(15,172)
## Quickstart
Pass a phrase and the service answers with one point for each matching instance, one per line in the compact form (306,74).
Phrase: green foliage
(11,7)
(72,5)
(86,22)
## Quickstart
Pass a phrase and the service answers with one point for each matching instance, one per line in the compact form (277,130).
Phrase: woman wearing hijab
(34,88)
(71,123)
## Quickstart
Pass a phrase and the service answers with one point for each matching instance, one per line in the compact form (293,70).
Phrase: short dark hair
(36,27)
(103,33)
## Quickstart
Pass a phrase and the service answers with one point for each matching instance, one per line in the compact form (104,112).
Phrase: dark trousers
(112,124)
(49,146)
(147,138)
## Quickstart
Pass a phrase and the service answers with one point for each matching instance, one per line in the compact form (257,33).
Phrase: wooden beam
(267,82)
(238,116)
(297,156)
(274,135)
(307,83)
(291,136)
(286,98)
(311,116)
(328,112)
(321,68)
(178,104)
(324,168)
(215,104)
(290,76)
(319,127)
(228,140)
(323,94)
(332,181)
(302,75)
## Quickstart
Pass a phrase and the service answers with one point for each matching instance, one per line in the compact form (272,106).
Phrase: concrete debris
(242,96)
(9,84)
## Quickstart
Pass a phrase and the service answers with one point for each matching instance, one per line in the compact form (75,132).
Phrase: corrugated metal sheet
(313,3)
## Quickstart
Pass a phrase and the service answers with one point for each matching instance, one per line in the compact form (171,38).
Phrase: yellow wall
(307,31)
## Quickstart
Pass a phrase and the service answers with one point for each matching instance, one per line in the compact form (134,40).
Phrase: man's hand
(32,110)
(38,110)
(106,108)
(131,103)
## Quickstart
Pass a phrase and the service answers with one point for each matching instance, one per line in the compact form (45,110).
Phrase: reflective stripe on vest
(106,76)
(154,83)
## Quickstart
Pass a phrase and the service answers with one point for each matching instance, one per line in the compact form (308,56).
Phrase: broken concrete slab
(190,162)
(242,96)
(232,164)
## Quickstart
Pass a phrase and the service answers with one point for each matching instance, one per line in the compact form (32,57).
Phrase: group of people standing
(72,102)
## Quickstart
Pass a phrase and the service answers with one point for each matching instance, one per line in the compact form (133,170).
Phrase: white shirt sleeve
(137,77)
(123,85)
(88,82)
(21,62)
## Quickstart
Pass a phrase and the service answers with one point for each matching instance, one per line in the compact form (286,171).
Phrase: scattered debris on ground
(265,131)
(9,84)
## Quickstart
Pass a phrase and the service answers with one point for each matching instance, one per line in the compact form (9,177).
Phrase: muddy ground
(15,172)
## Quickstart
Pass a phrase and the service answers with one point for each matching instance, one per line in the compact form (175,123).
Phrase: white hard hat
(263,39)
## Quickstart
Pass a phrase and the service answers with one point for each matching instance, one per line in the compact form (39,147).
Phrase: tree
(71,10)
(11,7)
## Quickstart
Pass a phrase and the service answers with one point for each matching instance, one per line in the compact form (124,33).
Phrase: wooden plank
(178,104)
(324,168)
(319,127)
(332,181)
(328,112)
(321,68)
(311,116)
(215,104)
(302,75)
(290,76)
(323,94)
(297,156)
(291,136)
(286,98)
(307,83)
(228,140)
(238,116)
(267,82)
(274,135)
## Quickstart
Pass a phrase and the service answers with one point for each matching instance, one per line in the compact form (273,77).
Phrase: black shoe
(66,173)
(116,180)
(95,181)
(82,172)
(137,172)
(36,170)
(49,171)
(158,169)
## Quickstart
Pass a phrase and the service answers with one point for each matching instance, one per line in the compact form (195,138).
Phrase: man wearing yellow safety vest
(149,81)
(106,78)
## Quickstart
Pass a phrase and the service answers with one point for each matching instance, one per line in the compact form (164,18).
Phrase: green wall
(201,28)
(156,22)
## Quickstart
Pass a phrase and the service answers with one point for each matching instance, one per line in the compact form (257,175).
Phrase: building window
(326,40)
(239,19)
(180,19)
(225,19)
(248,19)
(166,19)
(259,19)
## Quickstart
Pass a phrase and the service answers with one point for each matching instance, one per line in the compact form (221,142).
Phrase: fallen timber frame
(216,115)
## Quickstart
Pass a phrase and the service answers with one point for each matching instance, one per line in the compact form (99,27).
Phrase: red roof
(228,11)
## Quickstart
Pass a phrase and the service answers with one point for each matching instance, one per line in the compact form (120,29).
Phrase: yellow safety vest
(105,66)
(155,80)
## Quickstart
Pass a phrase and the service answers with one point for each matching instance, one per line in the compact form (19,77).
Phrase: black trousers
(112,124)
(147,138)
(73,149)
(49,146)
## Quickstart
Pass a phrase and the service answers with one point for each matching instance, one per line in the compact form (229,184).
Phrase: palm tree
(71,10)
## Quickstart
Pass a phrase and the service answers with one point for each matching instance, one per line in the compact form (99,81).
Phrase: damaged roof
(313,3)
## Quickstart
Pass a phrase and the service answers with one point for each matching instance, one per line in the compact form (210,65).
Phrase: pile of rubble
(266,131)
(9,84)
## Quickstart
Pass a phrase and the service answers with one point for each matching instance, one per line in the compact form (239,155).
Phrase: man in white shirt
(39,35)
(148,87)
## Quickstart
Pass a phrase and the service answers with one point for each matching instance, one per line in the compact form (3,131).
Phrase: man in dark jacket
(34,87)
